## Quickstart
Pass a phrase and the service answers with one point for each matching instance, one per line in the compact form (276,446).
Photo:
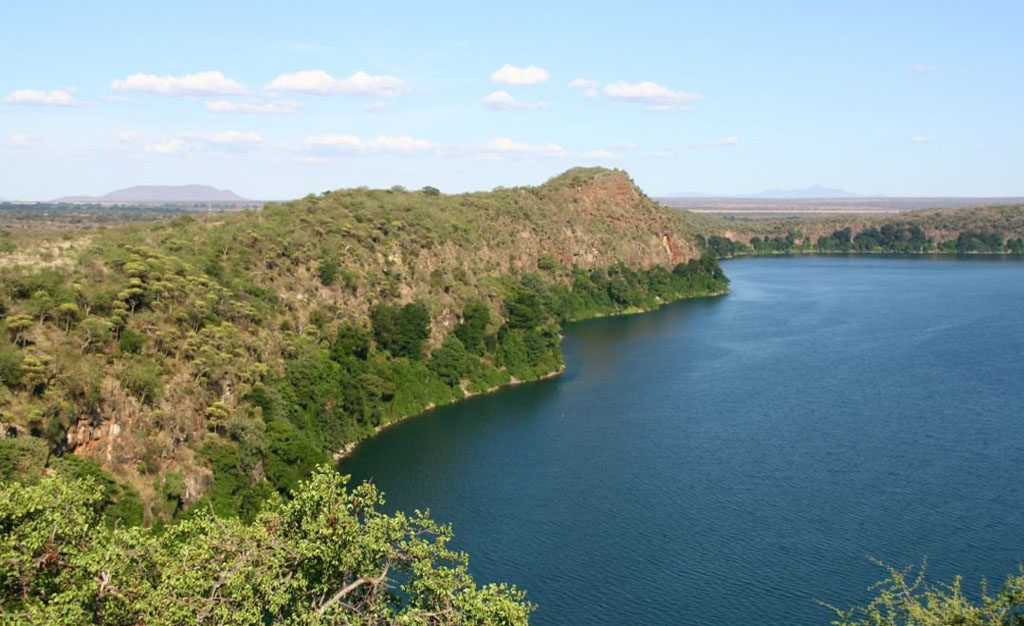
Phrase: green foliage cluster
(905,599)
(893,238)
(721,247)
(326,556)
(401,330)
(26,460)
(777,244)
(889,238)
(975,241)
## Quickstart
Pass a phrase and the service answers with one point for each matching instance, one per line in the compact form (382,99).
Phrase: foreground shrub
(327,556)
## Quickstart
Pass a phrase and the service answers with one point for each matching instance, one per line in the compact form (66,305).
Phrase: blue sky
(898,98)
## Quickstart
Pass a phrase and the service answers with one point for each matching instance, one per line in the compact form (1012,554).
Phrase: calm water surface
(732,461)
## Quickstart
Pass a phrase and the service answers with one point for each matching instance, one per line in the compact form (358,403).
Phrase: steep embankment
(994,229)
(223,357)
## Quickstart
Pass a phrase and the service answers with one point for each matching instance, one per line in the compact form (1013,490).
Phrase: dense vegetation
(325,556)
(990,230)
(217,361)
(73,216)
(890,238)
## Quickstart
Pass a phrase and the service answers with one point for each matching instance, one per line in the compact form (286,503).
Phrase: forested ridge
(213,362)
(985,230)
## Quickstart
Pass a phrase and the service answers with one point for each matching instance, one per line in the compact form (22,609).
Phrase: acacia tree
(905,599)
(327,556)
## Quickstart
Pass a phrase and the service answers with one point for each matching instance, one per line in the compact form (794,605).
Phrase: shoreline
(350,447)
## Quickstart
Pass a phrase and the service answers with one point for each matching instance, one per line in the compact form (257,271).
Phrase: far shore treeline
(980,230)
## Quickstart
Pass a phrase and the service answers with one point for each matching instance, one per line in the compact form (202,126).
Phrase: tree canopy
(328,555)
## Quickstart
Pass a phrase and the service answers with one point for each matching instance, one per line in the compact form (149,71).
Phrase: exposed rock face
(644,234)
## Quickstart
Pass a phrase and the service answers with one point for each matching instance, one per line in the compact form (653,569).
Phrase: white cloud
(167,147)
(504,101)
(21,140)
(920,68)
(656,97)
(128,136)
(264,108)
(599,154)
(339,144)
(231,138)
(358,84)
(505,146)
(37,97)
(919,139)
(731,140)
(223,141)
(588,86)
(198,84)
(512,75)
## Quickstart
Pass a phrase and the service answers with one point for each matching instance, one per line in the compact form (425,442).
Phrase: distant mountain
(814,191)
(162,193)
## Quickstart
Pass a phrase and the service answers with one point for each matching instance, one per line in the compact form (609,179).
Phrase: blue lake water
(735,460)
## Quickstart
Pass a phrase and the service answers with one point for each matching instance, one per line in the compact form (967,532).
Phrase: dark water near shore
(733,460)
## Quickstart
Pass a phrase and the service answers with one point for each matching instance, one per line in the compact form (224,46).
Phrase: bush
(473,328)
(130,342)
(328,272)
(141,377)
(450,362)
(10,363)
(22,458)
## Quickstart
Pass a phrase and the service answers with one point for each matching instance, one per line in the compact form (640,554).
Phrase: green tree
(450,362)
(401,331)
(524,310)
(350,341)
(471,331)
(327,556)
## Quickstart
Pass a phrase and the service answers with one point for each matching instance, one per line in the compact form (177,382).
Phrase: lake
(734,460)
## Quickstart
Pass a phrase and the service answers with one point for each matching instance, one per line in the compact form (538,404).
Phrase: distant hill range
(814,191)
(150,194)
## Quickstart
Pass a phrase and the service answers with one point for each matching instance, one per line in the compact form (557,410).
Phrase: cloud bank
(360,83)
(198,84)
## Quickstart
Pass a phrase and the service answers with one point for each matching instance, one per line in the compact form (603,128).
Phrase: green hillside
(220,359)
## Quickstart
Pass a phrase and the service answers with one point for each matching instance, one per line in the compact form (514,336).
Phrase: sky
(276,100)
